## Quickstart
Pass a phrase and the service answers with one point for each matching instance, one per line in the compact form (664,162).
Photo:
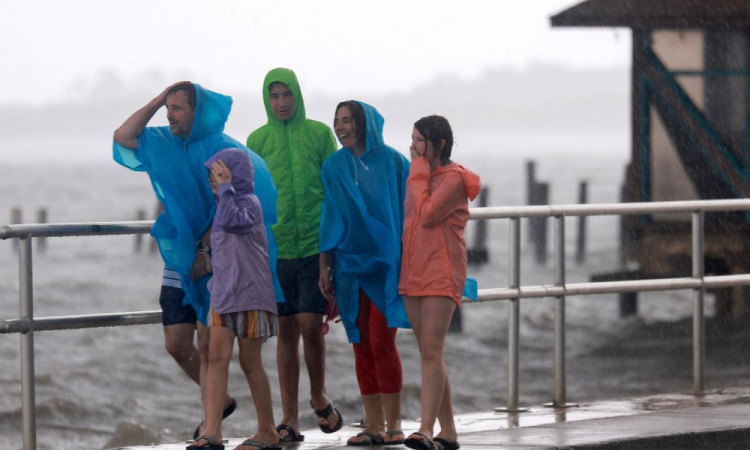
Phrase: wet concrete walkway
(719,419)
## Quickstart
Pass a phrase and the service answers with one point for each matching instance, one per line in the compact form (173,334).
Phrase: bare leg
(203,348)
(287,360)
(392,408)
(219,356)
(260,388)
(374,416)
(178,340)
(445,414)
(430,318)
(315,359)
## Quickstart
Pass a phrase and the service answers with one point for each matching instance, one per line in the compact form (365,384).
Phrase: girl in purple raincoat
(243,305)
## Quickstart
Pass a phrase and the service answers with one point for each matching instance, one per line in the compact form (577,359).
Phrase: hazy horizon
(540,99)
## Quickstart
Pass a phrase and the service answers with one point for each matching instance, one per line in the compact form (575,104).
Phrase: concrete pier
(719,419)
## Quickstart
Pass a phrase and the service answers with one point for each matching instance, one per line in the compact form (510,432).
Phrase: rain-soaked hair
(277,83)
(358,116)
(189,90)
(435,128)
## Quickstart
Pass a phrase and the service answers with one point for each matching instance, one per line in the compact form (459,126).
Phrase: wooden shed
(690,137)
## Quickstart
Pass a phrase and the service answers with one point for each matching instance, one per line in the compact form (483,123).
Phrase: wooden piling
(628,301)
(15,217)
(41,242)
(581,241)
(154,248)
(456,325)
(537,194)
(139,215)
(478,253)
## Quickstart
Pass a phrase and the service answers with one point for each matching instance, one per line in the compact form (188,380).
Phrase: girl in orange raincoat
(433,265)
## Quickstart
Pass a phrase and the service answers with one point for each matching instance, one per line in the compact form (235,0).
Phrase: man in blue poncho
(173,156)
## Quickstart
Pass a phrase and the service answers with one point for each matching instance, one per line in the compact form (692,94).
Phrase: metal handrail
(27,324)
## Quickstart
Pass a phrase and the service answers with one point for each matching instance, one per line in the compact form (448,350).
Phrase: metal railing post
(698,319)
(560,400)
(514,313)
(26,311)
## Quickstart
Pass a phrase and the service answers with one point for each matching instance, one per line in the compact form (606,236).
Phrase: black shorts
(299,282)
(173,312)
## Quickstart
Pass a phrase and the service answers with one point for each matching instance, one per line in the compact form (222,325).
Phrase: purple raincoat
(241,278)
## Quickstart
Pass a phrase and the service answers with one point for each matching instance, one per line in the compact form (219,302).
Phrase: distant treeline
(539,97)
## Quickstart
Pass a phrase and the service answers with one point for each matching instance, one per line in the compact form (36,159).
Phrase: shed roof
(650,14)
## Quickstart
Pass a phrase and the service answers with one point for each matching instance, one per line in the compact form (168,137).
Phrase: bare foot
(266,439)
(206,440)
(366,437)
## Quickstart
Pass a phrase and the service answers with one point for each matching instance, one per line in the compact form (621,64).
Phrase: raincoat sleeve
(128,157)
(231,214)
(436,206)
(331,222)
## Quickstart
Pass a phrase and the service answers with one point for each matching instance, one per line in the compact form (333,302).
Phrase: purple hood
(238,161)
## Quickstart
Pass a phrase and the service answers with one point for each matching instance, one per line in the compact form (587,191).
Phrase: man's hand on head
(161,99)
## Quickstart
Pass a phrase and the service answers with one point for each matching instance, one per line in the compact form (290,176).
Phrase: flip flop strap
(375,439)
(420,434)
(250,442)
(323,413)
(207,439)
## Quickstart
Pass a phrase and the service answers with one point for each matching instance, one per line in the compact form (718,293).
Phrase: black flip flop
(212,445)
(227,412)
(375,439)
(419,444)
(445,445)
(392,433)
(292,436)
(258,444)
(324,413)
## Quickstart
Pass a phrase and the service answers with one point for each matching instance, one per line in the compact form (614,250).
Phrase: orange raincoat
(436,209)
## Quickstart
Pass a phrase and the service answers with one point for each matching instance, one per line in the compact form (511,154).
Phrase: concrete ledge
(719,419)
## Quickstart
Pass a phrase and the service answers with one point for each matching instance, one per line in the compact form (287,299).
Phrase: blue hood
(180,181)
(361,223)
(211,113)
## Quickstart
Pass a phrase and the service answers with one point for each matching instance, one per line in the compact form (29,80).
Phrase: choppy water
(105,387)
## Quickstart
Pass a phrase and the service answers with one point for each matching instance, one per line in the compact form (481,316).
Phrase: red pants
(377,360)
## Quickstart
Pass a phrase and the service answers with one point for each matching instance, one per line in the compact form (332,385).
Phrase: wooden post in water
(15,217)
(628,300)
(159,209)
(41,242)
(537,194)
(139,215)
(581,242)
(478,253)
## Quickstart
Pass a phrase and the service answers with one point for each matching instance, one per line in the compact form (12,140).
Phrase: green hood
(287,77)
(294,152)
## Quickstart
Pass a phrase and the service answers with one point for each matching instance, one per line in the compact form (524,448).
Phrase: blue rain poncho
(175,167)
(363,214)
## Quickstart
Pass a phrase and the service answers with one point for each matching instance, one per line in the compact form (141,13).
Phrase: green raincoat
(294,151)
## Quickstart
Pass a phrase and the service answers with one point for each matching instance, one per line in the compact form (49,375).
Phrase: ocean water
(100,388)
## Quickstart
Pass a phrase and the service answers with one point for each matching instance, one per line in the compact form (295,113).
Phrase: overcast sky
(50,48)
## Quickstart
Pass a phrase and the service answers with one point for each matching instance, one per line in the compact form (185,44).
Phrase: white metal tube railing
(560,400)
(26,311)
(27,324)
(699,331)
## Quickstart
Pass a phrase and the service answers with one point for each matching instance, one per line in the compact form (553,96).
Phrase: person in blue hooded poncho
(360,242)
(173,157)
